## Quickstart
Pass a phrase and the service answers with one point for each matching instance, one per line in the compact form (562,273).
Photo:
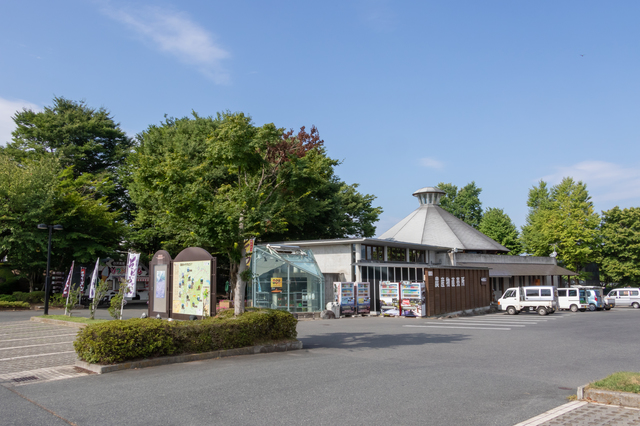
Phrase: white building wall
(334,259)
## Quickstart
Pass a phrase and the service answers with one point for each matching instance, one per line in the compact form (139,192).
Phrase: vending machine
(363,298)
(345,294)
(389,297)
(413,299)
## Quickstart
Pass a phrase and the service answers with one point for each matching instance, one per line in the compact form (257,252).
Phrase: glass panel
(420,274)
(383,273)
(391,274)
(405,274)
(412,274)
(363,273)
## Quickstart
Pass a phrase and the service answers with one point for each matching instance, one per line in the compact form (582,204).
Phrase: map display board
(192,288)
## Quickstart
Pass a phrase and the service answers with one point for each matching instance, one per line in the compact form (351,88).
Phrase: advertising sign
(192,287)
(94,278)
(276,285)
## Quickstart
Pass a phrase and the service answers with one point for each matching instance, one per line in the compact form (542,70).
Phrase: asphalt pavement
(486,370)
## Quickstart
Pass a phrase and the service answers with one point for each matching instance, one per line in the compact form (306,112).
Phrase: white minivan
(624,297)
(574,299)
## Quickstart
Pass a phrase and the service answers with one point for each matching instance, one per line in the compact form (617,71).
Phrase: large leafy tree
(39,190)
(80,136)
(463,203)
(214,182)
(496,224)
(620,230)
(562,219)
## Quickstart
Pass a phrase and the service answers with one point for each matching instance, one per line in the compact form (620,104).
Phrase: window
(417,256)
(545,292)
(613,293)
(573,293)
(562,293)
(372,253)
(396,254)
(510,293)
(532,293)
(634,293)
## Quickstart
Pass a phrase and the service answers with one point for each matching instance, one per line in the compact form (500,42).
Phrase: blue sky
(406,94)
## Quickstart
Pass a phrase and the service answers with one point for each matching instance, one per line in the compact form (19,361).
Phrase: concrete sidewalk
(579,413)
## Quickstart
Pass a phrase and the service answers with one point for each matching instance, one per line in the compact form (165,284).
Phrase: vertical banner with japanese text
(132,273)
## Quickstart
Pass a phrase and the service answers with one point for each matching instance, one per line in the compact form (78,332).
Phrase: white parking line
(453,326)
(483,323)
(40,337)
(33,346)
(32,356)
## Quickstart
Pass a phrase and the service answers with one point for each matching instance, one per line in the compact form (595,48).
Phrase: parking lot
(492,369)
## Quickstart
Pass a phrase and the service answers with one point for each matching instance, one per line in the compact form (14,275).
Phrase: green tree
(620,230)
(497,225)
(215,182)
(38,191)
(80,136)
(464,204)
(562,219)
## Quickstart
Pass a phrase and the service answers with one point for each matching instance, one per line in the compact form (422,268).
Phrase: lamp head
(42,226)
(58,227)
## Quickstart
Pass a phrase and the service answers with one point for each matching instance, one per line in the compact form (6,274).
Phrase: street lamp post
(47,280)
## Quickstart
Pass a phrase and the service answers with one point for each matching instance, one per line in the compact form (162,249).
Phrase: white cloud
(7,110)
(175,33)
(431,163)
(607,183)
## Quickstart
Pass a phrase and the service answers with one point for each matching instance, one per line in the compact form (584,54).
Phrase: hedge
(119,341)
(33,297)
(14,305)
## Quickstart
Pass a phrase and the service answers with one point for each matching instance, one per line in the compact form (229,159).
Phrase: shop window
(372,253)
(417,256)
(396,254)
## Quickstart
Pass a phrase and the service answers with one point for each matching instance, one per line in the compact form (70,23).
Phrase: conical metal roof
(430,224)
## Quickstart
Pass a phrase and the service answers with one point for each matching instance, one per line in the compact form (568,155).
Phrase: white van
(624,297)
(572,298)
(518,299)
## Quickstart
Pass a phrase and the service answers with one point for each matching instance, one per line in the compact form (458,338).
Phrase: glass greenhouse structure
(286,278)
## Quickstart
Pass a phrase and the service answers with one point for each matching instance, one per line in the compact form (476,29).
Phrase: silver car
(624,297)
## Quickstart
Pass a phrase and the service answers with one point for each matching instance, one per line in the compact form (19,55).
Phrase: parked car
(624,297)
(574,299)
(596,299)
(517,299)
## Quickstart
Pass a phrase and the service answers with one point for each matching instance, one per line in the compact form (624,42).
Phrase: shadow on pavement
(376,340)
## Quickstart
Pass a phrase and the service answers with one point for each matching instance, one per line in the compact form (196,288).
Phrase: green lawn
(623,381)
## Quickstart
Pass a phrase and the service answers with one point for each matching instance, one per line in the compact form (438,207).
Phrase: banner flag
(67,285)
(83,272)
(94,278)
(132,273)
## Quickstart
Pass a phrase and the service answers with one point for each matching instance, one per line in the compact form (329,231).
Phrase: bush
(33,297)
(7,298)
(14,305)
(118,341)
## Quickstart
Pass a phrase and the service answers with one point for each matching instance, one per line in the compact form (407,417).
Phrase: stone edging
(250,350)
(624,399)
(59,322)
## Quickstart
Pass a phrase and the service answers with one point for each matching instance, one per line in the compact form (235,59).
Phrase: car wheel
(511,310)
(542,310)
(592,307)
(636,305)
(583,309)
(574,308)
(607,307)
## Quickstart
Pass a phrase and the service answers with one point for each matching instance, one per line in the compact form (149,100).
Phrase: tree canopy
(214,182)
(497,225)
(562,219)
(81,137)
(464,204)
(40,190)
(620,230)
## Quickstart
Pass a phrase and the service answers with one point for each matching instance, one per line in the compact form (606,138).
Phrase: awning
(519,269)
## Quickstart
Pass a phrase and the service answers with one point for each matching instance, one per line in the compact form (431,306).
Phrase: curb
(250,350)
(59,322)
(623,399)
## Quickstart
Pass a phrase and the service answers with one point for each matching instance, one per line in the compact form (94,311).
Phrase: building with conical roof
(430,224)
(430,241)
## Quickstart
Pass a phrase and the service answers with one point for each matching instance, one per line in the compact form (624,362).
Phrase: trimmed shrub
(33,297)
(7,298)
(14,305)
(118,341)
